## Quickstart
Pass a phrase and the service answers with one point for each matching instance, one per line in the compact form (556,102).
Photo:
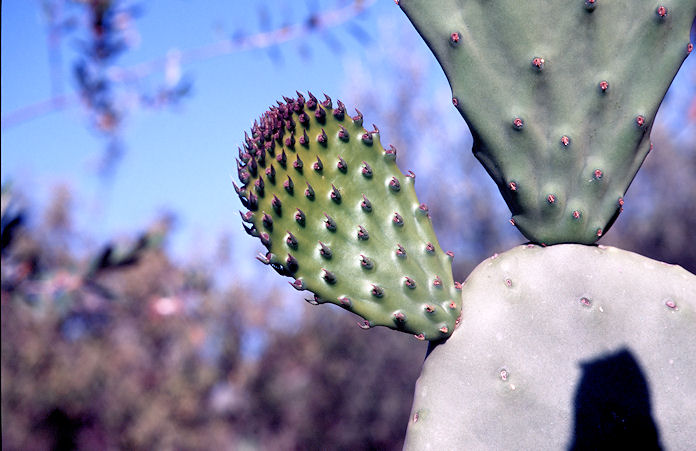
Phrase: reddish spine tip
(300,217)
(289,186)
(270,174)
(551,198)
(598,174)
(275,203)
(603,86)
(340,111)
(292,264)
(437,282)
(282,158)
(394,184)
(362,233)
(327,101)
(309,192)
(358,118)
(398,220)
(377,291)
(318,165)
(518,123)
(661,12)
(330,223)
(321,137)
(576,214)
(429,248)
(313,301)
(259,185)
(312,102)
(366,205)
(265,240)
(512,186)
(366,262)
(267,221)
(291,241)
(450,254)
(599,232)
(335,194)
(640,120)
(538,63)
(400,251)
(565,140)
(298,164)
(455,37)
(297,284)
(328,276)
(455,101)
(342,165)
(324,250)
(263,259)
(689,47)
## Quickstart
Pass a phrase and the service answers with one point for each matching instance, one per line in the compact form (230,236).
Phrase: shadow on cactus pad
(612,406)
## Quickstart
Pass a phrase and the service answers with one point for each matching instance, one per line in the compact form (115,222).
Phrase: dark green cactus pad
(560,96)
(336,213)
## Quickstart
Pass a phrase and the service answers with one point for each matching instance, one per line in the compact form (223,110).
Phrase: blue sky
(181,159)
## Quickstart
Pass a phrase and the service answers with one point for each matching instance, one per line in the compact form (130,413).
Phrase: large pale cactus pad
(564,347)
(560,96)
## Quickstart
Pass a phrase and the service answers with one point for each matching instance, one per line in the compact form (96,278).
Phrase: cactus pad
(560,97)
(335,213)
(564,347)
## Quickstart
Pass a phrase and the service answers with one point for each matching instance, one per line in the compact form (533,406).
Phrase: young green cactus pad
(560,96)
(334,211)
(564,347)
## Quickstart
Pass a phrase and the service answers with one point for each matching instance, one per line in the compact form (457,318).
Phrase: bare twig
(320,21)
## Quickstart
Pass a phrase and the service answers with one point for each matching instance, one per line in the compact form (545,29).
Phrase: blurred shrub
(127,350)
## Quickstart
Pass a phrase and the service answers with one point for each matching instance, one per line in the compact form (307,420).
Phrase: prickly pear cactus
(564,347)
(560,96)
(336,214)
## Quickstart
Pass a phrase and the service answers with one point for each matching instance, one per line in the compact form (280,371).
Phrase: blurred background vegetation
(116,344)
